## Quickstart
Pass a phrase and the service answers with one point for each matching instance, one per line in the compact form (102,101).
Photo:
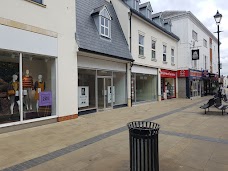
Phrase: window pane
(38,1)
(153,54)
(141,40)
(153,44)
(172,52)
(102,21)
(106,32)
(106,22)
(164,57)
(102,30)
(141,50)
(86,79)
(172,60)
(39,87)
(164,49)
(9,88)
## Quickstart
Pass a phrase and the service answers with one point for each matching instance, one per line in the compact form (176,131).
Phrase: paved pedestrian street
(189,140)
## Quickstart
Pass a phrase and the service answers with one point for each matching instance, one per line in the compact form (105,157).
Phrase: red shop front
(168,84)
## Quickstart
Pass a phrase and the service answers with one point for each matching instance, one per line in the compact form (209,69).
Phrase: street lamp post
(218,18)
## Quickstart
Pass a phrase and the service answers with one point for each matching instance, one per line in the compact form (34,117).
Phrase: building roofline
(154,24)
(192,16)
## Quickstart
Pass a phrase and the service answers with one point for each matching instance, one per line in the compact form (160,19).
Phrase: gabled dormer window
(105,23)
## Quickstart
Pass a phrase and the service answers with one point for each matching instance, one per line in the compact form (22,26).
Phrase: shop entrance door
(104,90)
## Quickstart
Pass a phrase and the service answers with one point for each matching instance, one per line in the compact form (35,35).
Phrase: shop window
(86,89)
(26,92)
(119,88)
(9,88)
(141,45)
(172,56)
(164,53)
(153,50)
(39,87)
(145,87)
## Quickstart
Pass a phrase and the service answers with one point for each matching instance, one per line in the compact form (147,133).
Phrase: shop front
(102,84)
(27,76)
(195,83)
(143,84)
(206,83)
(168,84)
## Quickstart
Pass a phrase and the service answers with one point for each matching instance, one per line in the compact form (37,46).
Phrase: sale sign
(45,98)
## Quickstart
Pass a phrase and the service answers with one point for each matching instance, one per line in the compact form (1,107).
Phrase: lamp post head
(218,17)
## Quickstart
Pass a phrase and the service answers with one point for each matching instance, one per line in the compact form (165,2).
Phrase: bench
(210,103)
(218,104)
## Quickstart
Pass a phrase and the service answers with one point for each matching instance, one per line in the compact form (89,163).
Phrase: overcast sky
(204,10)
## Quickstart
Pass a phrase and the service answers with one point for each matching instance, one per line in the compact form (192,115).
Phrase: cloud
(204,10)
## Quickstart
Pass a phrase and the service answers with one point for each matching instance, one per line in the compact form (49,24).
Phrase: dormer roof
(146,5)
(102,10)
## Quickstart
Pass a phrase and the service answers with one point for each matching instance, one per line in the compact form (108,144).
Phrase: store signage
(183,73)
(168,73)
(83,96)
(205,73)
(197,74)
(45,98)
(111,94)
(195,54)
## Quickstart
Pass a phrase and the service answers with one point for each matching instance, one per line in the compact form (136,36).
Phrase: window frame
(172,56)
(104,26)
(194,35)
(164,53)
(37,1)
(141,45)
(205,43)
(153,49)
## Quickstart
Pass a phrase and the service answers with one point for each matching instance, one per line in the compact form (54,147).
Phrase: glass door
(105,93)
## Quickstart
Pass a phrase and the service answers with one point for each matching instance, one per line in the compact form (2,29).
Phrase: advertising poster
(83,96)
(45,98)
(111,94)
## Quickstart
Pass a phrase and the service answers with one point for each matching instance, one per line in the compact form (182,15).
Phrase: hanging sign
(195,54)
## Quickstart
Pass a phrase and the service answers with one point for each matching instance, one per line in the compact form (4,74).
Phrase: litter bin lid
(143,128)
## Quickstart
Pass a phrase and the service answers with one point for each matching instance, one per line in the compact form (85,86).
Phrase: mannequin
(39,87)
(27,87)
(13,93)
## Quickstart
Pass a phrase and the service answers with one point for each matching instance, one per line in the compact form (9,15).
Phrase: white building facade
(154,50)
(197,73)
(38,77)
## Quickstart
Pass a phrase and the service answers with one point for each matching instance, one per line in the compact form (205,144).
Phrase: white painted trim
(27,121)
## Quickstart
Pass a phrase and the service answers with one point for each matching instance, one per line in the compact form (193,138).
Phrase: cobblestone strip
(50,156)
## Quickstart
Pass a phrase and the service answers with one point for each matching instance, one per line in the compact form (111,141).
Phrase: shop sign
(195,54)
(205,73)
(83,96)
(183,73)
(45,98)
(168,73)
(196,74)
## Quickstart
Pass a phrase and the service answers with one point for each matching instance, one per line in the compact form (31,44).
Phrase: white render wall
(49,19)
(142,27)
(183,27)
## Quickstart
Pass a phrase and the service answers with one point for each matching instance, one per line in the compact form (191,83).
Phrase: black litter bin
(143,138)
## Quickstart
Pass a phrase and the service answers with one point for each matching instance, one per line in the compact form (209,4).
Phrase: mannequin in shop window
(27,83)
(39,87)
(13,93)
